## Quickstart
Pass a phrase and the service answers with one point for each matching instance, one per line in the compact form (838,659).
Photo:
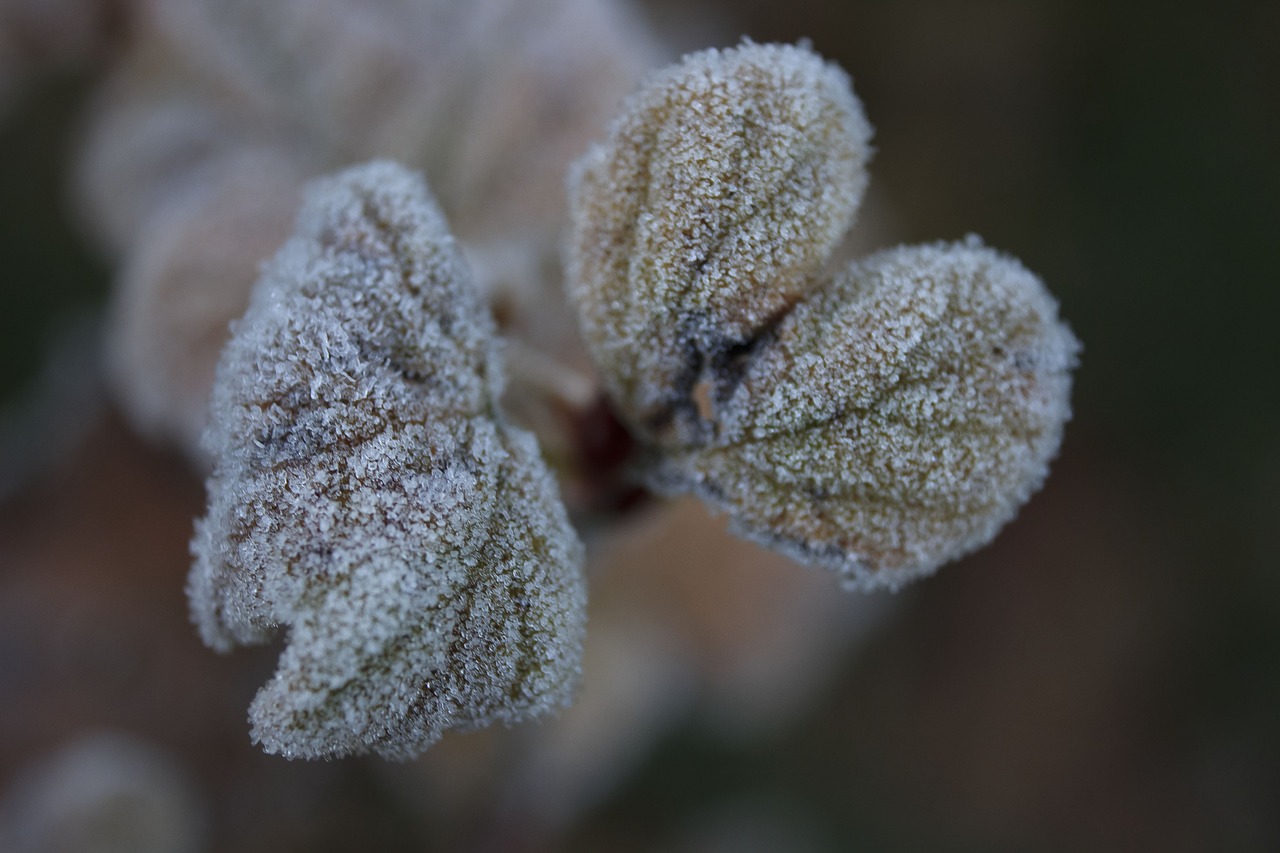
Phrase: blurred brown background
(1105,676)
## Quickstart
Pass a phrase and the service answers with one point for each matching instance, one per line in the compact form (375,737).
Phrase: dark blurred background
(1105,676)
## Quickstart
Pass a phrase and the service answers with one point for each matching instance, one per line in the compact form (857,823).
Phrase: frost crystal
(880,421)
(368,494)
(724,185)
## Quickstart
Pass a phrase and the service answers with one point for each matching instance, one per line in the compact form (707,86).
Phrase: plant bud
(880,421)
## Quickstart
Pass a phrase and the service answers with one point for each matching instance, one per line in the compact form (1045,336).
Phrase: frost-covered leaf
(369,496)
(723,186)
(894,420)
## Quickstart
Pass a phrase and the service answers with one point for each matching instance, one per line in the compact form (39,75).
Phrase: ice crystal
(369,496)
(879,421)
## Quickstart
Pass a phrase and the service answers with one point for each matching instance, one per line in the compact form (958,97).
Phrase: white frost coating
(897,419)
(369,496)
(724,185)
(880,421)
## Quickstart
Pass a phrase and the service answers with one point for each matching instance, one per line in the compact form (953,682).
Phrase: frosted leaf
(724,185)
(879,421)
(369,496)
(894,420)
